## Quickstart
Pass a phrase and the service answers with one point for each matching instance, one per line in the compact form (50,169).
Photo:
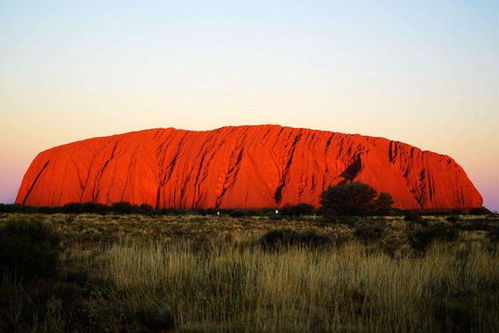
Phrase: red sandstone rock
(241,167)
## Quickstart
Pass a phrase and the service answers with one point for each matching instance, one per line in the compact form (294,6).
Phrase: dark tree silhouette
(383,203)
(354,199)
(297,210)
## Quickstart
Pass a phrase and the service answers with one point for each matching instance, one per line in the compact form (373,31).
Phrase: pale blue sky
(422,72)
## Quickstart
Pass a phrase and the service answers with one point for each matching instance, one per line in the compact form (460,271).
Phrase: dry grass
(347,289)
(210,274)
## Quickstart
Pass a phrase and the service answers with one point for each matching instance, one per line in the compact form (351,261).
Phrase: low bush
(10,208)
(480,224)
(16,208)
(284,238)
(370,232)
(355,199)
(28,250)
(479,211)
(268,211)
(238,212)
(145,209)
(123,208)
(86,207)
(413,218)
(174,211)
(231,212)
(298,210)
(421,237)
(493,233)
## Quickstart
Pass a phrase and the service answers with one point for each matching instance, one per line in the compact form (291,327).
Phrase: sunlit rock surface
(241,167)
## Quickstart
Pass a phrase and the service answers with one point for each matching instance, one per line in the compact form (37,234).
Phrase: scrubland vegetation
(194,273)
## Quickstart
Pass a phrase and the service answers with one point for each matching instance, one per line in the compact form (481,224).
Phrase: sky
(421,72)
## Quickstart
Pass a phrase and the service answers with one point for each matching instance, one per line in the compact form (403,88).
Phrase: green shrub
(238,212)
(476,225)
(123,208)
(298,210)
(354,199)
(382,204)
(421,237)
(145,209)
(85,207)
(493,233)
(370,232)
(348,199)
(16,208)
(210,211)
(28,250)
(479,211)
(11,208)
(284,238)
(174,211)
(267,211)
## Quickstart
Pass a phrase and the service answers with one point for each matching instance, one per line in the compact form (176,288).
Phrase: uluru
(241,167)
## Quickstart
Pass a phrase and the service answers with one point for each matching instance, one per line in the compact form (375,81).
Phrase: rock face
(241,167)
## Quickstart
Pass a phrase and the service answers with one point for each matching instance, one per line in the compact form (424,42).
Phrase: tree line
(338,200)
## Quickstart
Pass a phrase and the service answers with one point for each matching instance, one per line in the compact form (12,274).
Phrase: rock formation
(241,167)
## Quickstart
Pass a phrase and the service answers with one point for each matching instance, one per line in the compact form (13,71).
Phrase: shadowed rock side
(241,167)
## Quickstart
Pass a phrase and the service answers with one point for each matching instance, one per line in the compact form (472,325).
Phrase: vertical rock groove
(241,167)
(284,176)
(34,182)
